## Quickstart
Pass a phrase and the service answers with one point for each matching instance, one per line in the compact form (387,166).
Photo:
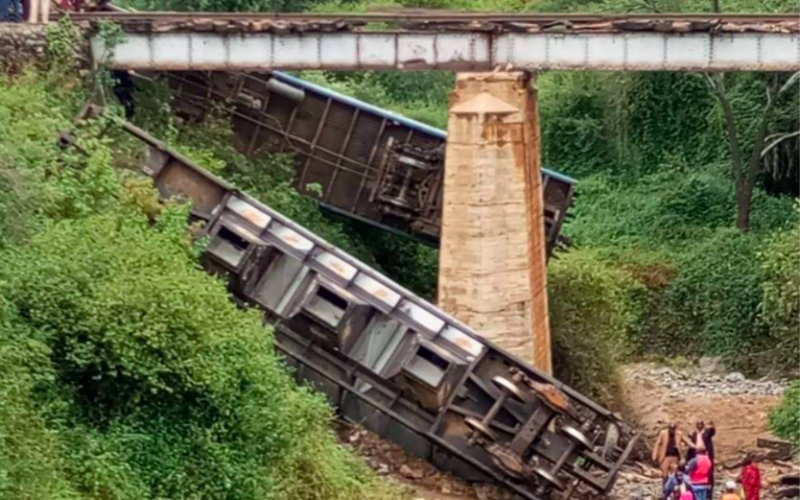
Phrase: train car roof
(408,122)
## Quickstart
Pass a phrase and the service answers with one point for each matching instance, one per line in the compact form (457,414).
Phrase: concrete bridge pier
(492,257)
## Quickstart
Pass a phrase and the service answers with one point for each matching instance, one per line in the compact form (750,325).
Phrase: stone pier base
(493,256)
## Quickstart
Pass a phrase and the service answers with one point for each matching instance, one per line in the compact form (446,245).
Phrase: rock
(710,365)
(735,377)
(446,489)
(382,469)
(663,372)
(410,473)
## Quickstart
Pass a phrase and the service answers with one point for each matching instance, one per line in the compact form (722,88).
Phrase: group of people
(692,477)
(34,11)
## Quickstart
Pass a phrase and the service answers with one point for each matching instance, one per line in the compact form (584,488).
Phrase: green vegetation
(784,420)
(593,308)
(127,373)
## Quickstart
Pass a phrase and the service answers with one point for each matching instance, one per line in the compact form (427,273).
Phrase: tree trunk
(744,197)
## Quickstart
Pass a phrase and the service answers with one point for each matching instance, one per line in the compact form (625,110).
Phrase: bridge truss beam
(458,51)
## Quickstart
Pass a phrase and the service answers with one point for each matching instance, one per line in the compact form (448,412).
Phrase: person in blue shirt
(675,480)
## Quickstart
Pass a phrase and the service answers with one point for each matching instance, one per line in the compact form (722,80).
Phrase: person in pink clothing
(700,470)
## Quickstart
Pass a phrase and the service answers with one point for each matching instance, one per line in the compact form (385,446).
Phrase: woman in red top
(751,480)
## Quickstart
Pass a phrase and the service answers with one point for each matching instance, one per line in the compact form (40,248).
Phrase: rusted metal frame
(461,383)
(365,174)
(264,106)
(492,391)
(430,16)
(612,472)
(382,167)
(313,145)
(305,142)
(210,90)
(288,129)
(469,413)
(342,150)
(558,222)
(409,425)
(238,87)
(429,209)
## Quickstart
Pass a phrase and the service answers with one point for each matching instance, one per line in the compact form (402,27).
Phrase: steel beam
(460,51)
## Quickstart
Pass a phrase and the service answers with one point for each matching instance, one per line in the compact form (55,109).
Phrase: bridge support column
(492,271)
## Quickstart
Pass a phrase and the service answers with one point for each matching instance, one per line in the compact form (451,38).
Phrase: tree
(746,169)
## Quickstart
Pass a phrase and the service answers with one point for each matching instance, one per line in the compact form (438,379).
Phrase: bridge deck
(453,41)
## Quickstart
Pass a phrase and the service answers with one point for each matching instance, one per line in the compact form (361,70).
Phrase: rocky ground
(654,395)
(423,480)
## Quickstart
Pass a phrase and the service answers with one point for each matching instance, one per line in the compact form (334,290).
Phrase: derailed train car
(388,359)
(373,165)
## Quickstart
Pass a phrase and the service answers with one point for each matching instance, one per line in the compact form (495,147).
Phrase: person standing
(751,479)
(666,451)
(39,12)
(700,470)
(703,437)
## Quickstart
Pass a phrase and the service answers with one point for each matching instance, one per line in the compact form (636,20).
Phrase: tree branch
(780,139)
(717,86)
(758,145)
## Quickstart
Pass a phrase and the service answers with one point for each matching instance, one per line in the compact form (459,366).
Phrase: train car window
(327,306)
(228,246)
(427,367)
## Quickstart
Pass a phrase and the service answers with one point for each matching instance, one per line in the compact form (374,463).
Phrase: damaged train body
(391,361)
(372,165)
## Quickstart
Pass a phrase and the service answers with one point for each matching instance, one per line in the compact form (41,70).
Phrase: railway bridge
(492,241)
(403,367)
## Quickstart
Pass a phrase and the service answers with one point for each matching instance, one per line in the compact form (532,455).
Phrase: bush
(127,371)
(780,302)
(592,309)
(784,420)
(163,385)
(717,293)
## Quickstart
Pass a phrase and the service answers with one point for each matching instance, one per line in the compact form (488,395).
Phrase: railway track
(477,21)
(435,16)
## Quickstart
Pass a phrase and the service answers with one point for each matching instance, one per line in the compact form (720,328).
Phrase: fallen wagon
(358,160)
(389,360)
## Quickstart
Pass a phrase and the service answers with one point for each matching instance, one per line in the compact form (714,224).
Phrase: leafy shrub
(592,309)
(780,304)
(717,293)
(164,386)
(127,372)
(574,123)
(658,211)
(668,115)
(784,420)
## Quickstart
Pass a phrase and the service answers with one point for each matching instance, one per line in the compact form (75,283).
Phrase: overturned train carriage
(372,165)
(388,359)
